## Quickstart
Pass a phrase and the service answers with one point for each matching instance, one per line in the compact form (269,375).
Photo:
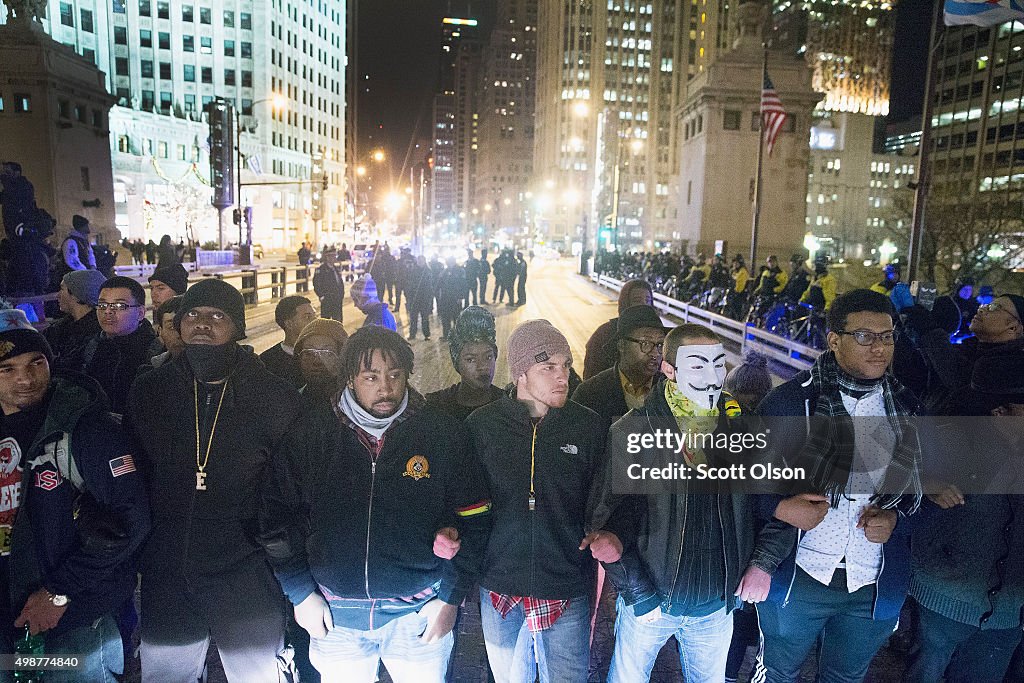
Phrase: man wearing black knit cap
(211,421)
(167,281)
(58,448)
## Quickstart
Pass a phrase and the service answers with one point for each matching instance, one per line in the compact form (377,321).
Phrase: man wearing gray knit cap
(79,291)
(540,453)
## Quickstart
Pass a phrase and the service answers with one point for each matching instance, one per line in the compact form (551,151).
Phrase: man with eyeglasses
(210,422)
(319,349)
(997,329)
(846,579)
(114,356)
(639,338)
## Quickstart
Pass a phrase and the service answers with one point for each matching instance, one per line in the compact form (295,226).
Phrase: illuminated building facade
(455,123)
(847,44)
(610,75)
(503,198)
(280,62)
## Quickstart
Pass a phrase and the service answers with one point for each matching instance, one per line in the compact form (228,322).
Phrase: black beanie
(18,336)
(174,276)
(1018,303)
(215,294)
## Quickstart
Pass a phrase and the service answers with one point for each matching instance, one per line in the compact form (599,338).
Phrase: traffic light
(220,116)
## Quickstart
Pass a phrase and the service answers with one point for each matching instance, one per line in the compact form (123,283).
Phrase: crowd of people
(31,261)
(447,287)
(791,302)
(312,514)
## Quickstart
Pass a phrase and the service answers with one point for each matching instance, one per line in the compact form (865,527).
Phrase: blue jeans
(98,643)
(703,645)
(960,652)
(347,655)
(849,636)
(560,654)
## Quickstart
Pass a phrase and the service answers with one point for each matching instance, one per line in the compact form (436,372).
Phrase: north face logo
(541,357)
(570,448)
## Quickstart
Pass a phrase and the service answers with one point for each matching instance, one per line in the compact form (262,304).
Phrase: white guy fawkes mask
(700,373)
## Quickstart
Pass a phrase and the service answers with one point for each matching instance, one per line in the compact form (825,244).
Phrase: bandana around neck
(376,426)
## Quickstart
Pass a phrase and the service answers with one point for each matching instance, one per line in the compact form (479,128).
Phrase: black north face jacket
(536,553)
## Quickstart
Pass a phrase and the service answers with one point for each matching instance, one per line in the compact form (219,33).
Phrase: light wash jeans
(703,645)
(560,654)
(99,645)
(347,655)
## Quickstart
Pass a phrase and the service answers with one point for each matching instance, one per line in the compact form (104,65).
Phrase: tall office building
(610,76)
(454,123)
(506,105)
(281,63)
(977,155)
(848,46)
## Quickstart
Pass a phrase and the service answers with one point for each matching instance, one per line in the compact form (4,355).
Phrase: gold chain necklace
(201,466)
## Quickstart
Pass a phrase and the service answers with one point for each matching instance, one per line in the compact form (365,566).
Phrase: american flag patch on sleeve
(122,465)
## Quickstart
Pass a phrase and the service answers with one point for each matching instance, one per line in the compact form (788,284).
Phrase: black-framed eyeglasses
(117,306)
(645,345)
(865,338)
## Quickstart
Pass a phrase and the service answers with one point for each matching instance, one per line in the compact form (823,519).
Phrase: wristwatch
(57,600)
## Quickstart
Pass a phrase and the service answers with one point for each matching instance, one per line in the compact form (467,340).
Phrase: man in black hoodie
(361,521)
(66,468)
(540,454)
(212,421)
(114,356)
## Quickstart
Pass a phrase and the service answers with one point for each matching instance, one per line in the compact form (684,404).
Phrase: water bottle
(29,646)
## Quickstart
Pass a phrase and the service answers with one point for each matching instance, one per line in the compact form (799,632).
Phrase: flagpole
(760,161)
(924,151)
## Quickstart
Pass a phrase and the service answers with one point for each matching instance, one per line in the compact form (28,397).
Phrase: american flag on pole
(773,115)
(981,12)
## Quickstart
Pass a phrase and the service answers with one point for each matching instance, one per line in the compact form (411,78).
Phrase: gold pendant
(200,481)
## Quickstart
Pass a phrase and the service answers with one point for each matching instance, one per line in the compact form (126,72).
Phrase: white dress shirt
(837,542)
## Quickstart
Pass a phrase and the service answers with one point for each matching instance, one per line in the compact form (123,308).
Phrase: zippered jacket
(535,553)
(359,526)
(651,527)
(797,398)
(48,547)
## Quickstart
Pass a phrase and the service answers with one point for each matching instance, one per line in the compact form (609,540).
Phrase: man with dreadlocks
(364,569)
(848,575)
(474,355)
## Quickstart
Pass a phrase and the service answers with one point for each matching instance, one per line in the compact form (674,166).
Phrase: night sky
(399,44)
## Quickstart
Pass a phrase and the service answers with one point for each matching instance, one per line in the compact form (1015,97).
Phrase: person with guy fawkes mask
(210,422)
(686,566)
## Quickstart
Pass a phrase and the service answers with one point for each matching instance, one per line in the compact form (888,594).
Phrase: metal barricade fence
(786,352)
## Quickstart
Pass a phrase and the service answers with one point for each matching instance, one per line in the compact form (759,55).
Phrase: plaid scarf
(828,451)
